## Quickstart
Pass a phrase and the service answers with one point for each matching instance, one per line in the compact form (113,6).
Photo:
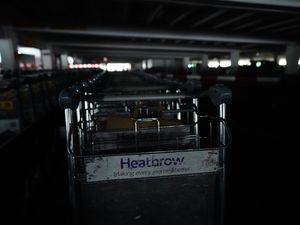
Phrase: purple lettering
(177,161)
(160,161)
(125,163)
(150,162)
(168,161)
(155,162)
(134,164)
(142,163)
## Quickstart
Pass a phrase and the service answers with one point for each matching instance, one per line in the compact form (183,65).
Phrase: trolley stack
(144,153)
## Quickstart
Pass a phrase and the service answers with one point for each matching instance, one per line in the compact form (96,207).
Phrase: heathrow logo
(127,163)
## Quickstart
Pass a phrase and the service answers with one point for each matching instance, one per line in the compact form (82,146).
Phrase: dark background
(262,162)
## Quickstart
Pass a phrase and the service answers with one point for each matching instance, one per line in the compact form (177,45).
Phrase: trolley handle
(219,94)
(146,120)
(71,130)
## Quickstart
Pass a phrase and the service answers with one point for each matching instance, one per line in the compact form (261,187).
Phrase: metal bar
(154,14)
(87,108)
(73,187)
(195,120)
(136,53)
(142,46)
(284,3)
(146,120)
(139,54)
(210,134)
(272,25)
(285,28)
(222,158)
(232,20)
(222,114)
(280,6)
(78,115)
(68,122)
(159,34)
(116,98)
(245,25)
(178,106)
(208,18)
(181,17)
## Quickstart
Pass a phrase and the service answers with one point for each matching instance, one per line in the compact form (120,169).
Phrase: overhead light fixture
(118,67)
(282,62)
(70,60)
(244,62)
(258,64)
(213,64)
(225,63)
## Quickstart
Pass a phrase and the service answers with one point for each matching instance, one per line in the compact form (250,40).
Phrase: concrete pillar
(150,63)
(185,62)
(292,57)
(57,61)
(169,63)
(234,57)
(47,59)
(64,61)
(8,51)
(204,64)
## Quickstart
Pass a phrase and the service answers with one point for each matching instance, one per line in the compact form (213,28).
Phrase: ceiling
(168,28)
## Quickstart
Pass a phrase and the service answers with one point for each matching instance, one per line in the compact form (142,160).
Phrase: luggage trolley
(146,158)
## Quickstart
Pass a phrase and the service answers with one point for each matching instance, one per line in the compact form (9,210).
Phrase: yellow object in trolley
(7,105)
(7,100)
